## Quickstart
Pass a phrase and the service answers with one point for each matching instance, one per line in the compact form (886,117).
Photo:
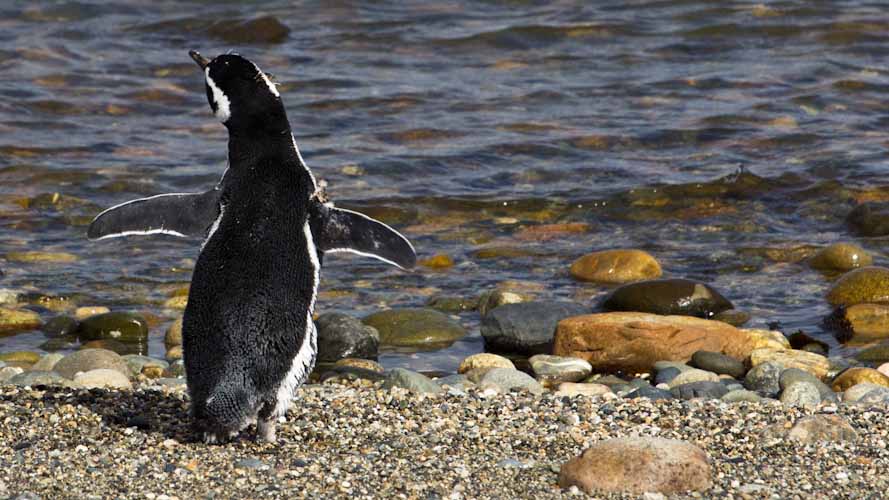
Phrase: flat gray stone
(506,379)
(410,380)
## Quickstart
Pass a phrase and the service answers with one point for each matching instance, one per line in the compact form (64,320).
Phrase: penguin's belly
(248,324)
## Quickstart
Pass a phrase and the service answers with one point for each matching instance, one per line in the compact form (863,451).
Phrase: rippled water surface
(703,132)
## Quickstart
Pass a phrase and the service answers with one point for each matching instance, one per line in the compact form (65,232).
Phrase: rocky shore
(658,389)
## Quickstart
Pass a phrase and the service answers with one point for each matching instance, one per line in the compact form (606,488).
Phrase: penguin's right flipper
(341,230)
(175,214)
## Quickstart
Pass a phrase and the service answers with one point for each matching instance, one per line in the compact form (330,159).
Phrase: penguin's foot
(265,430)
(220,437)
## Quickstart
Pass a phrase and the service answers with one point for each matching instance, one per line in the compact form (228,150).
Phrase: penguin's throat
(246,147)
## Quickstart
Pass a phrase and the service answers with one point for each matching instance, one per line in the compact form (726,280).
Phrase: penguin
(248,336)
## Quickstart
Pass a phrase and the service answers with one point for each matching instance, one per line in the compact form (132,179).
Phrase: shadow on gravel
(152,412)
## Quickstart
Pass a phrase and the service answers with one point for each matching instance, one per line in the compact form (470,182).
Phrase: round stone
(484,360)
(47,362)
(90,359)
(87,311)
(764,379)
(637,465)
(34,378)
(865,285)
(718,363)
(496,298)
(527,328)
(410,380)
(60,326)
(616,266)
(18,320)
(121,326)
(693,375)
(342,336)
(801,394)
(505,380)
(741,395)
(668,297)
(103,377)
(858,375)
(702,389)
(550,368)
(418,328)
(841,257)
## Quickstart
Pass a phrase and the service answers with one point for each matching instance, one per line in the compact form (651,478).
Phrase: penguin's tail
(224,413)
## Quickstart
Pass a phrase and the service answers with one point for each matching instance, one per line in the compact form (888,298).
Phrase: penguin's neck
(246,147)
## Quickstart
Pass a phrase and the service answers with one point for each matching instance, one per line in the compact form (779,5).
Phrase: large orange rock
(632,342)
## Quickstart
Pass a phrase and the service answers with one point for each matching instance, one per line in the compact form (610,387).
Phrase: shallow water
(463,124)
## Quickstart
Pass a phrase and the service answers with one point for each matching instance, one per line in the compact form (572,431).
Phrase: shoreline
(367,442)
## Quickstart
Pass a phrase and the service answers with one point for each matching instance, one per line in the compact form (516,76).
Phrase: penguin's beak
(198,58)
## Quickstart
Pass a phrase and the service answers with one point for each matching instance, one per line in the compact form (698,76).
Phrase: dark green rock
(875,354)
(733,317)
(60,326)
(668,296)
(452,304)
(59,343)
(870,219)
(120,326)
(718,363)
(703,389)
(419,328)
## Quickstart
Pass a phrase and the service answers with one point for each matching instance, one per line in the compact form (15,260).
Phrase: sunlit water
(462,124)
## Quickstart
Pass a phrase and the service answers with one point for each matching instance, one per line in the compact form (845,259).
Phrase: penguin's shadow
(149,411)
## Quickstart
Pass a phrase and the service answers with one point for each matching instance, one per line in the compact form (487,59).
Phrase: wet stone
(703,389)
(526,328)
(342,336)
(860,323)
(173,336)
(616,266)
(858,375)
(718,363)
(121,326)
(489,301)
(29,357)
(875,354)
(137,363)
(865,285)
(59,343)
(364,364)
(60,326)
(733,317)
(668,297)
(417,327)
(18,320)
(841,257)
(452,304)
(869,219)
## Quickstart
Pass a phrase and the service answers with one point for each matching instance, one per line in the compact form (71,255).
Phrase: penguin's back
(251,295)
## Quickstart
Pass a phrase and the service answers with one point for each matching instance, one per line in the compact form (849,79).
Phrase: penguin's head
(240,94)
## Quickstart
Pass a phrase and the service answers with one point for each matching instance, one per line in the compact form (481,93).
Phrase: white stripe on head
(272,88)
(223,105)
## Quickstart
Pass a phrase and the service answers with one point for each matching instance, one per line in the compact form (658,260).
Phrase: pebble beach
(363,442)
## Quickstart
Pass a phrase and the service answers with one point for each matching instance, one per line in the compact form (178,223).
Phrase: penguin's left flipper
(175,214)
(341,230)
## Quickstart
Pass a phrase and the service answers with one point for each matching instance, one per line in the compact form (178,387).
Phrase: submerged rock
(526,328)
(841,257)
(616,266)
(18,320)
(342,336)
(865,285)
(121,326)
(60,326)
(418,328)
(870,219)
(860,323)
(668,297)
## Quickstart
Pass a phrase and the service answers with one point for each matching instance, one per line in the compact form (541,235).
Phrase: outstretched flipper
(340,230)
(175,214)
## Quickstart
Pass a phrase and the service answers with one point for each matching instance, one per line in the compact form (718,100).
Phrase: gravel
(347,441)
